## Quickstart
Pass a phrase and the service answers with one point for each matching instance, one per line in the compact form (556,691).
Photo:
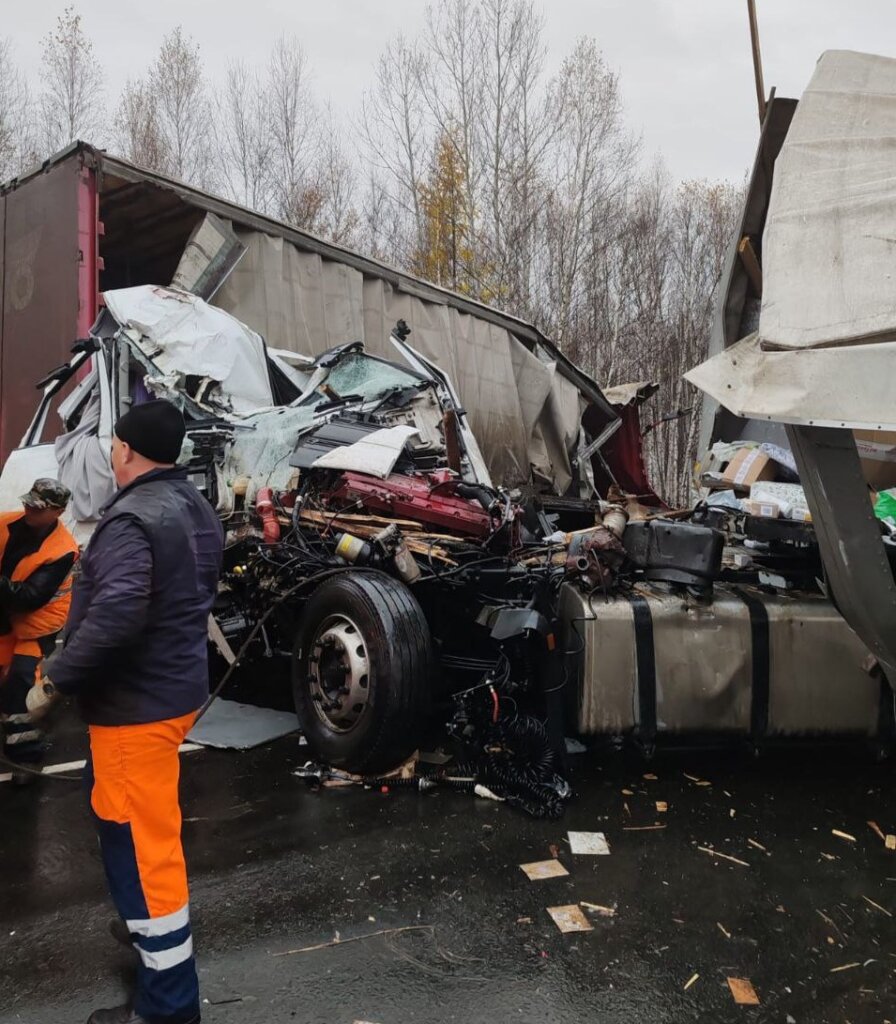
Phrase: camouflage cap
(47,493)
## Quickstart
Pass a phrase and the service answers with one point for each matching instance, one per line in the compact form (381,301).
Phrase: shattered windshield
(358,374)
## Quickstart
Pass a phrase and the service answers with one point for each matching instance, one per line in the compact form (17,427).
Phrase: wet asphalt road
(276,867)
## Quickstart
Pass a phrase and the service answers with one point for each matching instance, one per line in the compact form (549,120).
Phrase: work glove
(40,698)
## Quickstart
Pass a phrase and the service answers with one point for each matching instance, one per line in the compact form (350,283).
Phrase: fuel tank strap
(646,667)
(761,660)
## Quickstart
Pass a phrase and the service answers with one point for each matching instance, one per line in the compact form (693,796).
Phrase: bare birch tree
(17,141)
(396,129)
(137,127)
(71,100)
(294,126)
(244,144)
(177,84)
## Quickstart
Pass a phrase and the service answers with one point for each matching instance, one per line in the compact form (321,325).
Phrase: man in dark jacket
(135,658)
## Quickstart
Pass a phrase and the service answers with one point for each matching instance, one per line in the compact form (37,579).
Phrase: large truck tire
(362,672)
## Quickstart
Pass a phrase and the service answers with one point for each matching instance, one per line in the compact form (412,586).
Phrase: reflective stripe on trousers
(20,660)
(132,778)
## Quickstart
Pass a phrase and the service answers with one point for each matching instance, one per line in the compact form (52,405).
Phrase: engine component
(429,499)
(675,552)
(353,549)
(264,506)
(614,519)
(594,557)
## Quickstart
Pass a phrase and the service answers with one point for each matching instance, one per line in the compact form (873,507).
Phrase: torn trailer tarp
(825,353)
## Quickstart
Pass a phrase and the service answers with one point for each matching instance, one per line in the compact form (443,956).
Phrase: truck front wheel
(362,671)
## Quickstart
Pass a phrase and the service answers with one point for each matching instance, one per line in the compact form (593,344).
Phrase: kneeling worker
(135,656)
(37,554)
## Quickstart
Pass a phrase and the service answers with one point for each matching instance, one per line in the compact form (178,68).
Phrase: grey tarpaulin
(524,414)
(83,459)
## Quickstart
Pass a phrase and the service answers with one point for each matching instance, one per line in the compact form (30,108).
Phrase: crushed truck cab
(434,516)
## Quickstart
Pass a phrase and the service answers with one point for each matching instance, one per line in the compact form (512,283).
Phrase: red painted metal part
(624,454)
(264,506)
(426,499)
(89,262)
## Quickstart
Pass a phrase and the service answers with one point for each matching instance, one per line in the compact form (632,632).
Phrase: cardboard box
(877,453)
(763,509)
(790,499)
(746,467)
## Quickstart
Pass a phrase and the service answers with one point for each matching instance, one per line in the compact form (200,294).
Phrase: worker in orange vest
(37,555)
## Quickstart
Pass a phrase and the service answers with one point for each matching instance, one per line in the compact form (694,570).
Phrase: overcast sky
(684,64)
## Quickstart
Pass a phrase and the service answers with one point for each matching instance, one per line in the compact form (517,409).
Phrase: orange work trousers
(132,777)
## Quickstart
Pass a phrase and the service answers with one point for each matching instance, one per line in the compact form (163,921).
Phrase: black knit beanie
(154,430)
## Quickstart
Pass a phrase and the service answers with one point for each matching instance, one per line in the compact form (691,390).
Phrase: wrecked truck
(535,588)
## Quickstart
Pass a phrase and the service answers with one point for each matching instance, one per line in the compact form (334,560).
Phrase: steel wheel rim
(339,673)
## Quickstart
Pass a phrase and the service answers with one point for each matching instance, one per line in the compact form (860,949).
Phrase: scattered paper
(890,842)
(743,992)
(544,869)
(661,807)
(691,981)
(588,843)
(570,919)
(650,777)
(842,835)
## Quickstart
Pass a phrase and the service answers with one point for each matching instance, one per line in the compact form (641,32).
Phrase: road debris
(724,856)
(661,807)
(876,829)
(890,842)
(643,828)
(570,918)
(743,992)
(597,908)
(542,869)
(844,967)
(723,930)
(691,981)
(842,835)
(339,941)
(592,844)
(877,906)
(758,846)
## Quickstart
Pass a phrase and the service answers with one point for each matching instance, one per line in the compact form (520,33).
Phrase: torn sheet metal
(832,387)
(375,454)
(635,393)
(185,336)
(828,244)
(825,353)
(211,253)
(231,725)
